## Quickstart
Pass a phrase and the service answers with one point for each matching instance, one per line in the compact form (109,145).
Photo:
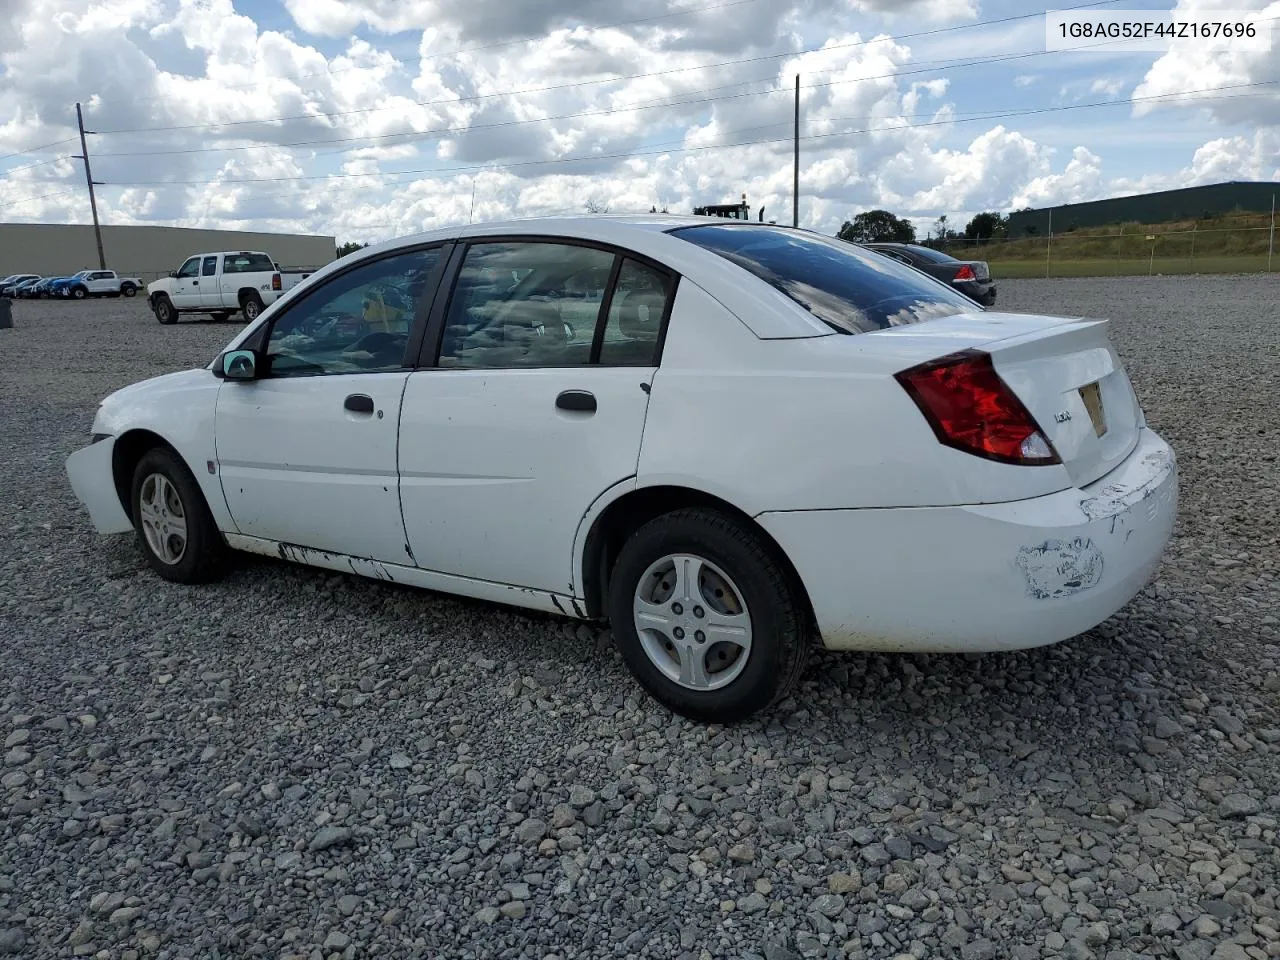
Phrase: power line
(988,115)
(43,196)
(39,163)
(382,139)
(484,46)
(44,146)
(637,76)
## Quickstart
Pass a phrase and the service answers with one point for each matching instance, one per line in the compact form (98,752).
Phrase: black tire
(203,558)
(221,316)
(128,290)
(79,292)
(251,306)
(780,636)
(164,310)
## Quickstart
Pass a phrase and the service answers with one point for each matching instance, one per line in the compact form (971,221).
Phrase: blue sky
(429,86)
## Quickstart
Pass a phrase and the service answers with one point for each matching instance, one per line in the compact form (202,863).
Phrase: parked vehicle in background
(37,289)
(10,283)
(26,289)
(221,283)
(755,439)
(100,283)
(60,284)
(970,277)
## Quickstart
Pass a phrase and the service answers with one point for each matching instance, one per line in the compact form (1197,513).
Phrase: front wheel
(706,616)
(251,307)
(128,290)
(79,293)
(174,526)
(164,310)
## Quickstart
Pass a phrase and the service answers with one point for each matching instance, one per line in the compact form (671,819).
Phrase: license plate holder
(1092,397)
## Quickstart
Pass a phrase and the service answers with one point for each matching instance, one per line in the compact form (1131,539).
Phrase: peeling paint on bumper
(989,577)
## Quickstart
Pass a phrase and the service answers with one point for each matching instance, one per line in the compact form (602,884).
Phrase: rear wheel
(706,617)
(251,306)
(174,526)
(164,310)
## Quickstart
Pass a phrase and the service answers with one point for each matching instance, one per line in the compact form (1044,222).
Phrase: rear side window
(210,266)
(850,289)
(247,263)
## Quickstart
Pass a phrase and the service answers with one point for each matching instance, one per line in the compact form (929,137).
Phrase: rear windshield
(928,253)
(850,289)
(247,263)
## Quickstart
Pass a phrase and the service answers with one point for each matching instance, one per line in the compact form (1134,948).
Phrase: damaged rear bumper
(987,577)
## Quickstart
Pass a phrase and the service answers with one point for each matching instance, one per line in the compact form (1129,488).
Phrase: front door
(186,287)
(207,293)
(536,407)
(307,453)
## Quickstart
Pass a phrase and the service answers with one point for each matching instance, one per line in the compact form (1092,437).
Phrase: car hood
(124,404)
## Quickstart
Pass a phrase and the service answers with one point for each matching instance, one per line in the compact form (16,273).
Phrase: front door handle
(580,401)
(359,403)
(195,283)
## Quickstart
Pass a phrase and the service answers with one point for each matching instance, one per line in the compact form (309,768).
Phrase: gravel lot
(298,764)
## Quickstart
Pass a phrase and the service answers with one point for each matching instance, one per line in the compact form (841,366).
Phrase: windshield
(850,289)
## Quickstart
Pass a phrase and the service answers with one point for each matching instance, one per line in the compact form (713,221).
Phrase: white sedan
(733,441)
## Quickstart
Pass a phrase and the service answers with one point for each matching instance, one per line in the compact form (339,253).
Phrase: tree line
(881,226)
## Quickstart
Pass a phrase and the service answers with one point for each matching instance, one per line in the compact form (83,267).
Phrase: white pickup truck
(220,284)
(99,283)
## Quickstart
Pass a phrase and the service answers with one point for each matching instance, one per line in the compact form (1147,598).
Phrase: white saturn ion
(733,441)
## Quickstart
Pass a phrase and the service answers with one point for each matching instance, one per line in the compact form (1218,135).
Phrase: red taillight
(275,281)
(971,409)
(965,273)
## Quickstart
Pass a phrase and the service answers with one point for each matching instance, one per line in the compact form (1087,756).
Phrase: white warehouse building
(144,251)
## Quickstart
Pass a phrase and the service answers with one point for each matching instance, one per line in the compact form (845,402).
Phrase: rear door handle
(580,401)
(359,403)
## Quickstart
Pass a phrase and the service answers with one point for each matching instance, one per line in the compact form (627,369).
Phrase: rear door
(536,406)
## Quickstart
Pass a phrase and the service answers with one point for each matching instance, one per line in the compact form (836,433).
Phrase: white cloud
(185,74)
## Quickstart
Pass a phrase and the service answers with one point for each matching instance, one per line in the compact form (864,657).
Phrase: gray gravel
(298,764)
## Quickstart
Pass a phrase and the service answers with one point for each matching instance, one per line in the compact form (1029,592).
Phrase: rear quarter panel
(806,424)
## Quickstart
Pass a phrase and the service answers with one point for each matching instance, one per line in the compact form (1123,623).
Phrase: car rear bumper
(984,291)
(989,577)
(89,470)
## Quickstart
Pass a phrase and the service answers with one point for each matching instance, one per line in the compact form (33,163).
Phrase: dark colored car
(38,289)
(970,277)
(9,284)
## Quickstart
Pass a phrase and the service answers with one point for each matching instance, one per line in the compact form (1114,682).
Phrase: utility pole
(1271,242)
(88,177)
(795,172)
(1048,249)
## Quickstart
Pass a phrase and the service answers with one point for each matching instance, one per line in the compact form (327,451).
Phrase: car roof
(769,313)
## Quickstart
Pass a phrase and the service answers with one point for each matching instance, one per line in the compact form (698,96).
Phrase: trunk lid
(1065,371)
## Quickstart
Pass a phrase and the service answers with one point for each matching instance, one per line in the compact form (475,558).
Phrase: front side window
(525,304)
(635,316)
(189,269)
(357,322)
(850,289)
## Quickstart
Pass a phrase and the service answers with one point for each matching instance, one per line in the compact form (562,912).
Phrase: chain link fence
(1128,251)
